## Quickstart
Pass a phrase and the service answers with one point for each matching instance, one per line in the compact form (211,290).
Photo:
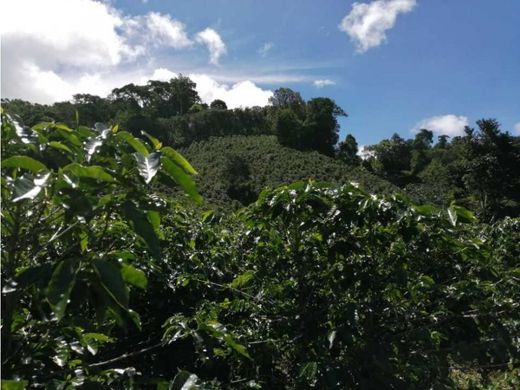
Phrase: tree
(218,104)
(287,98)
(289,129)
(348,150)
(321,125)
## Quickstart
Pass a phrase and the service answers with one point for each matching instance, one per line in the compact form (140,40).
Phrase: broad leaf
(27,187)
(62,281)
(142,227)
(176,157)
(134,276)
(93,172)
(148,165)
(24,162)
(181,178)
(111,280)
(59,146)
(135,143)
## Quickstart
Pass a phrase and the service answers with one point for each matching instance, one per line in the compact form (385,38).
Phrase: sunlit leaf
(24,162)
(148,165)
(181,178)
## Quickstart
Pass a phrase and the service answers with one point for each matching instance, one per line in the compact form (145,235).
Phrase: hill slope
(237,168)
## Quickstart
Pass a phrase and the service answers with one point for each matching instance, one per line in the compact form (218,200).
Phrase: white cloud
(241,94)
(163,30)
(323,83)
(450,124)
(367,23)
(55,48)
(214,43)
(265,49)
(517,128)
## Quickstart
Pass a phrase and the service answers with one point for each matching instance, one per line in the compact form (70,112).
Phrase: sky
(392,65)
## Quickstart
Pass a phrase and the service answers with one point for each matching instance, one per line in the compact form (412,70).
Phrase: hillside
(237,168)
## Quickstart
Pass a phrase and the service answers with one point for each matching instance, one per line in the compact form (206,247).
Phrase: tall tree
(348,150)
(321,125)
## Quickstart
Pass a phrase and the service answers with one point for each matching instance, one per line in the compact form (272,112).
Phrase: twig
(127,355)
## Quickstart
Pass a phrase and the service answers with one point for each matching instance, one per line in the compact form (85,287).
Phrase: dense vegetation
(238,168)
(116,274)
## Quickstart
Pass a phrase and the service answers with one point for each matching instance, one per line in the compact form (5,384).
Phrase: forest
(152,241)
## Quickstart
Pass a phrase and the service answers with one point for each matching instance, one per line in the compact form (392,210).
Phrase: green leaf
(142,227)
(185,380)
(179,160)
(230,341)
(463,215)
(11,384)
(92,341)
(62,281)
(148,165)
(155,142)
(134,276)
(452,214)
(59,146)
(181,178)
(92,172)
(243,279)
(24,162)
(28,187)
(111,280)
(135,143)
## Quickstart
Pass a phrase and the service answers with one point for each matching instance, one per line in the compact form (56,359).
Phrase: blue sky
(394,66)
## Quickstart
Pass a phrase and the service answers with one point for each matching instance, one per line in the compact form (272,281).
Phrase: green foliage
(268,165)
(77,210)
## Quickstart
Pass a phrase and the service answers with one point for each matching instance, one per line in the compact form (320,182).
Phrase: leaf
(181,178)
(24,162)
(59,146)
(92,341)
(109,276)
(28,187)
(179,160)
(148,165)
(91,146)
(92,172)
(463,215)
(134,276)
(230,341)
(184,380)
(452,214)
(243,279)
(142,227)
(11,384)
(62,281)
(155,142)
(135,143)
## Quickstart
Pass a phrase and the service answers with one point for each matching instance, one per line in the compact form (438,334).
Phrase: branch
(127,355)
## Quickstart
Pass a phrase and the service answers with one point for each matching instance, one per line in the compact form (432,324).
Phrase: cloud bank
(56,48)
(451,125)
(367,23)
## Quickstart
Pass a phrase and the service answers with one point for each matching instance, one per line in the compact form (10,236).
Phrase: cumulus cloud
(517,128)
(55,48)
(241,94)
(323,83)
(367,23)
(213,42)
(163,30)
(451,125)
(265,49)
